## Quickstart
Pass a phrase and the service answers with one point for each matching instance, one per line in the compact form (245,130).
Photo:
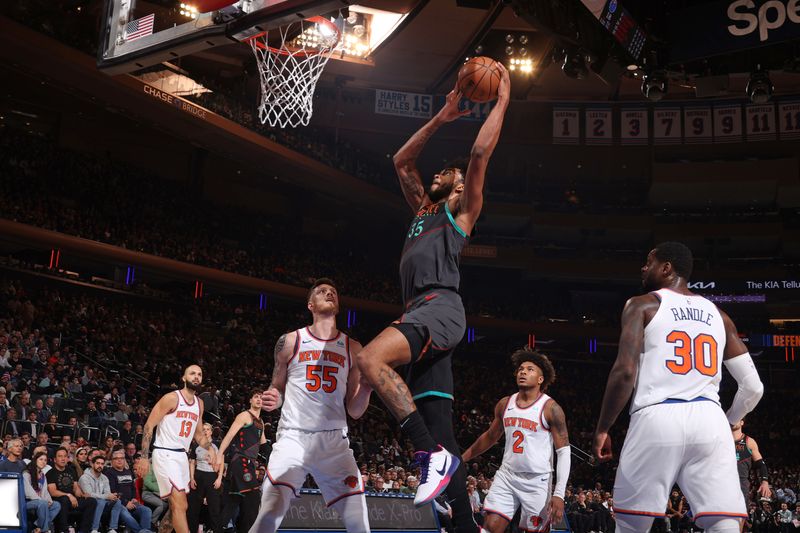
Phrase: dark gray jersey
(430,258)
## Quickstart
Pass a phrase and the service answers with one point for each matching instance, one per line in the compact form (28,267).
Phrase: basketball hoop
(289,73)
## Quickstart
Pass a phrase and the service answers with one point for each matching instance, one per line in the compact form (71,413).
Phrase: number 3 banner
(634,126)
(598,126)
(667,125)
(566,125)
(697,125)
(728,124)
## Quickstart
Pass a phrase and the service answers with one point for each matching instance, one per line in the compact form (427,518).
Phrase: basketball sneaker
(436,469)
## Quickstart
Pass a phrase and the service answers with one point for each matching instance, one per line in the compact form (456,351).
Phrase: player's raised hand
(504,89)
(449,112)
(602,447)
(271,399)
(556,511)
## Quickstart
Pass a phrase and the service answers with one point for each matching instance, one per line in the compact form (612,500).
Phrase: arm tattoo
(146,438)
(558,422)
(278,349)
(394,393)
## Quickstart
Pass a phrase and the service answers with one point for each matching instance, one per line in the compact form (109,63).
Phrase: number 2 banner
(728,124)
(667,125)
(760,122)
(598,126)
(566,125)
(634,126)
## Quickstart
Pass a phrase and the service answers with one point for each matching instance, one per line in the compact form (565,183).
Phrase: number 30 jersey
(316,383)
(683,347)
(529,443)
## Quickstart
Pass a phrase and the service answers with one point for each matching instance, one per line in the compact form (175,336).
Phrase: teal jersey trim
(452,221)
(433,393)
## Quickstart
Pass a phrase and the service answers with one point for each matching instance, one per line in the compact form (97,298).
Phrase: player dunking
(669,356)
(748,456)
(177,418)
(245,436)
(434,321)
(314,378)
(533,423)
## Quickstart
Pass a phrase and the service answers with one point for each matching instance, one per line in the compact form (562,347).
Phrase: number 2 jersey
(316,383)
(683,347)
(529,444)
(176,429)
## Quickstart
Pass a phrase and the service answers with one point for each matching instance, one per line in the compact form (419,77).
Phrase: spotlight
(523,39)
(510,39)
(509,50)
(575,66)
(654,85)
(479,49)
(759,87)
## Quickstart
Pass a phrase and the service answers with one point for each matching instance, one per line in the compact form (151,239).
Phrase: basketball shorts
(688,443)
(434,324)
(171,469)
(242,475)
(511,491)
(326,455)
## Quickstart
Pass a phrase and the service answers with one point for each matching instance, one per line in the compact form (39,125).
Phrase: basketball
(479,79)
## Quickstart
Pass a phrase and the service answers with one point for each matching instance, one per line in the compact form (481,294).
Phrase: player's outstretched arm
(623,374)
(740,365)
(489,437)
(557,421)
(166,404)
(273,397)
(405,160)
(358,390)
(238,422)
(471,201)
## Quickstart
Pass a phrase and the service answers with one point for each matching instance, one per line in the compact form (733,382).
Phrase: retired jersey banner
(566,125)
(728,124)
(789,120)
(598,126)
(634,126)
(697,125)
(667,125)
(760,122)
(403,104)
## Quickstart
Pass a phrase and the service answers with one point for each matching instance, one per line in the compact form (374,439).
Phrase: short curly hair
(525,355)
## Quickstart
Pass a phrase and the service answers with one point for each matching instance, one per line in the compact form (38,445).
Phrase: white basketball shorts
(529,491)
(171,469)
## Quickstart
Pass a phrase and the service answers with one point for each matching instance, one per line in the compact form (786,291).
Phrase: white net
(289,73)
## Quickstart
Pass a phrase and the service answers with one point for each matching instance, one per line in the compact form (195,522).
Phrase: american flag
(139,27)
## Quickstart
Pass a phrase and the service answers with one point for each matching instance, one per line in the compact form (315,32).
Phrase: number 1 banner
(566,125)
(760,121)
(667,125)
(598,126)
(728,124)
(789,120)
(634,126)
(697,125)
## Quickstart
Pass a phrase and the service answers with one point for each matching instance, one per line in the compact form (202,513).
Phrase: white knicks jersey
(176,429)
(529,444)
(316,383)
(683,347)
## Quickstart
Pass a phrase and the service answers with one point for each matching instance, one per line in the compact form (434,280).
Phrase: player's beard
(440,193)
(191,386)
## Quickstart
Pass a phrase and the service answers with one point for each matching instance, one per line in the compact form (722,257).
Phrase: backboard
(137,34)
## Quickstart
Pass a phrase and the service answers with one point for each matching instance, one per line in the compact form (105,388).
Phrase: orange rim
(284,52)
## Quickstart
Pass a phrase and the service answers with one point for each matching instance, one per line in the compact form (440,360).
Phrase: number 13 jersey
(683,348)
(316,383)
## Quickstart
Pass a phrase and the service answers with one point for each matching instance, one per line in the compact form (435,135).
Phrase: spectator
(37,495)
(13,460)
(152,498)
(94,484)
(13,424)
(62,483)
(81,461)
(135,516)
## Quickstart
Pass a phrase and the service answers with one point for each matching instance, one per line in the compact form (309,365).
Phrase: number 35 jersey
(683,347)
(316,383)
